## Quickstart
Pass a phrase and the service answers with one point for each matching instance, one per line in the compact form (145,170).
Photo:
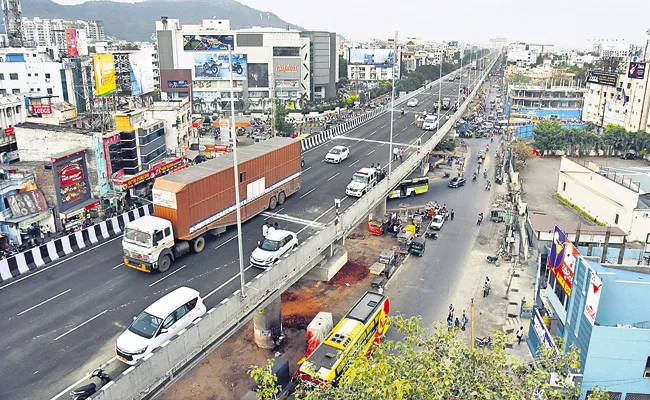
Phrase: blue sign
(636,70)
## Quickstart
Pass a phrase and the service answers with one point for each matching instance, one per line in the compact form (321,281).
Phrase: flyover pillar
(379,211)
(424,165)
(267,325)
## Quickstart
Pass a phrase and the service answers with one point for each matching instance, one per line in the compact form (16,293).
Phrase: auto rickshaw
(498,215)
(417,246)
(404,240)
(375,227)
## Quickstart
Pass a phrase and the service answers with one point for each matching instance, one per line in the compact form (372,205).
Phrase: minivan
(159,323)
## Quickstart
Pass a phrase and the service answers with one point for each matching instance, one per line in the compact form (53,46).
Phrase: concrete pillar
(424,166)
(267,325)
(379,211)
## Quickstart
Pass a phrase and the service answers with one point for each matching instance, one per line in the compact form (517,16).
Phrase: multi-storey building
(12,112)
(51,32)
(556,102)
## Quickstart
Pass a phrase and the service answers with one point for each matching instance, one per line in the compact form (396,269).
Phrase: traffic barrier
(53,250)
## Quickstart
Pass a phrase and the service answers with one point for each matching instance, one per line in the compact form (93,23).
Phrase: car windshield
(270,245)
(437,219)
(359,178)
(137,237)
(335,151)
(146,325)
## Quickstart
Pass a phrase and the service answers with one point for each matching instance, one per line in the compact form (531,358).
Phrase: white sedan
(437,222)
(412,102)
(337,154)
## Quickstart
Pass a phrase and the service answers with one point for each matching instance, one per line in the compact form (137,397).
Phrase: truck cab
(362,181)
(148,244)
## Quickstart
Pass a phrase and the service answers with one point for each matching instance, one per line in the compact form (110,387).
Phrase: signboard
(164,198)
(71,181)
(602,78)
(178,84)
(258,75)
(104,67)
(542,333)
(286,83)
(593,297)
(41,108)
(562,260)
(286,68)
(636,70)
(382,58)
(10,131)
(208,42)
(216,66)
(71,42)
(453,44)
(160,169)
(27,203)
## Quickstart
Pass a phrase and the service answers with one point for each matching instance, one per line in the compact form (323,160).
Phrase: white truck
(362,181)
(430,123)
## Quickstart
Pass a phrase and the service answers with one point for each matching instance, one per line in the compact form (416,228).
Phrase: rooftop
(52,128)
(546,223)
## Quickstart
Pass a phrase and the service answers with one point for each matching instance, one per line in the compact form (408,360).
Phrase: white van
(430,123)
(158,323)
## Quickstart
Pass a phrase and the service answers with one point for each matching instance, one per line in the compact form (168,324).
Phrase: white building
(498,43)
(176,116)
(523,58)
(51,32)
(12,112)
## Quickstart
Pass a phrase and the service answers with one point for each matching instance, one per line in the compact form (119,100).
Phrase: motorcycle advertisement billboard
(216,66)
(71,180)
(382,58)
(208,42)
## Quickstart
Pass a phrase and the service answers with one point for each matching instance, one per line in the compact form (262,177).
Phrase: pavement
(72,311)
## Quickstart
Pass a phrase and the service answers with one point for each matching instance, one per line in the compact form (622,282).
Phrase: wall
(175,134)
(32,79)
(640,224)
(597,195)
(623,292)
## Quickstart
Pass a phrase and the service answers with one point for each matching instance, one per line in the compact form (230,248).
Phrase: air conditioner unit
(646,373)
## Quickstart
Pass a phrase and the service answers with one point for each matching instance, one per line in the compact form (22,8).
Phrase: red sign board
(42,108)
(10,131)
(158,169)
(71,42)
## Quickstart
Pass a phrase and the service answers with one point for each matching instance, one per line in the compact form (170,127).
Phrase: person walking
(464,320)
(401,154)
(452,214)
(395,153)
(265,229)
(457,323)
(270,229)
(478,221)
(486,287)
(520,334)
(450,322)
(451,311)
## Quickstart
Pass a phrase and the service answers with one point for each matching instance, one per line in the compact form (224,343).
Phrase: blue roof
(621,274)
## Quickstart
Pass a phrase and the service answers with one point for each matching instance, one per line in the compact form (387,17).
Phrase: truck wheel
(164,263)
(281,198)
(273,203)
(198,244)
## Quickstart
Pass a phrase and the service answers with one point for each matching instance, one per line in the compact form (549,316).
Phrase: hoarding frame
(71,164)
(208,42)
(602,78)
(562,260)
(215,66)
(381,58)
(636,70)
(104,69)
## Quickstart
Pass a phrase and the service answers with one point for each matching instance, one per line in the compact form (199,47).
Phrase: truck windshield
(270,245)
(145,325)
(360,178)
(137,237)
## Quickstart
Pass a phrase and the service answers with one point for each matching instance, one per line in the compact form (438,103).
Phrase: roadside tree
(549,136)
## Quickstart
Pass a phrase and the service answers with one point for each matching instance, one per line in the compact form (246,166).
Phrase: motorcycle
(483,342)
(493,260)
(237,68)
(485,174)
(474,177)
(431,235)
(211,67)
(84,392)
(446,175)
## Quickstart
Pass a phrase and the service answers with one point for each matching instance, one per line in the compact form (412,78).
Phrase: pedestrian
(451,311)
(265,229)
(452,214)
(276,226)
(401,154)
(270,230)
(380,290)
(464,320)
(450,322)
(395,153)
(486,287)
(478,221)
(520,334)
(457,323)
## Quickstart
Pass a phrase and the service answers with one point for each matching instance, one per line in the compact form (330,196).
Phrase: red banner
(10,131)
(41,108)
(71,42)
(158,169)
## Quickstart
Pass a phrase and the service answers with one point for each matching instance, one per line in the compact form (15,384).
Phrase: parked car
(456,182)
(158,323)
(337,154)
(275,245)
(629,155)
(436,222)
(413,102)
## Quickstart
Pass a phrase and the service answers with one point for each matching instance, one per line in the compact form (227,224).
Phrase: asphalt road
(62,320)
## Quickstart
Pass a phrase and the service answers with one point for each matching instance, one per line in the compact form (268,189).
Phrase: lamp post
(240,247)
(439,93)
(392,108)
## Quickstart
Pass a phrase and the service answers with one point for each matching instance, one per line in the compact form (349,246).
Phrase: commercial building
(373,65)
(52,32)
(267,63)
(498,43)
(554,102)
(12,113)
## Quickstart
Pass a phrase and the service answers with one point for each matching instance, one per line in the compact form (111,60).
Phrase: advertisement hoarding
(104,67)
(258,75)
(216,66)
(162,167)
(593,297)
(636,70)
(178,84)
(27,203)
(71,180)
(286,83)
(142,81)
(452,44)
(286,68)
(602,78)
(210,102)
(383,58)
(562,260)
(71,42)
(208,42)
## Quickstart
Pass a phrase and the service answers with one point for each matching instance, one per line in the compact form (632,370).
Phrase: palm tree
(198,104)
(303,101)
(215,105)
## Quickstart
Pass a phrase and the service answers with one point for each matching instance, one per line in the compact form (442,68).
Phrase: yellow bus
(358,332)
(410,187)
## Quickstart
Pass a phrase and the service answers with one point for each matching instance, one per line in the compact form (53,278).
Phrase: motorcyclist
(485,174)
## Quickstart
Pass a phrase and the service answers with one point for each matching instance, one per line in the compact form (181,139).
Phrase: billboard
(602,78)
(178,84)
(286,68)
(71,180)
(382,58)
(216,66)
(562,260)
(141,71)
(71,43)
(104,67)
(452,44)
(208,42)
(212,102)
(41,108)
(27,203)
(593,297)
(636,70)
(258,75)
(287,83)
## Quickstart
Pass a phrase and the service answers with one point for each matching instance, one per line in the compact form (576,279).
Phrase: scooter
(84,392)
(474,177)
(483,342)
(446,175)
(493,260)
(431,235)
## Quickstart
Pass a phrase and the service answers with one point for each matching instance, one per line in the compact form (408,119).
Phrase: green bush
(580,210)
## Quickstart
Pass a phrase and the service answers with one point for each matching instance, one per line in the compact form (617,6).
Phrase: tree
(440,366)
(548,136)
(282,127)
(522,153)
(343,67)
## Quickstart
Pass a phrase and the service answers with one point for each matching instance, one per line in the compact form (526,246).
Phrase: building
(12,113)
(142,142)
(176,116)
(63,114)
(555,102)
(52,32)
(498,43)
(373,65)
(267,63)
(591,307)
(608,196)
(522,58)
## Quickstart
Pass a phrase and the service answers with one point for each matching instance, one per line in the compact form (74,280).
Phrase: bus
(410,187)
(357,333)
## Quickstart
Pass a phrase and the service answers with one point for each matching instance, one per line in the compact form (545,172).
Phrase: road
(62,320)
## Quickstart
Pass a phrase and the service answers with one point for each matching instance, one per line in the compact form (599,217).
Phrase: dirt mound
(351,273)
(297,321)
(289,296)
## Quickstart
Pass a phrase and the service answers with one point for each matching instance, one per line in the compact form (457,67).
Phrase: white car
(337,154)
(412,102)
(158,323)
(275,245)
(437,221)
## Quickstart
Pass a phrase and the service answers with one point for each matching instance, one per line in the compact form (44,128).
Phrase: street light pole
(392,108)
(460,81)
(233,129)
(439,93)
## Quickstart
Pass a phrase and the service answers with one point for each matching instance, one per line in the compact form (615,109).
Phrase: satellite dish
(153,37)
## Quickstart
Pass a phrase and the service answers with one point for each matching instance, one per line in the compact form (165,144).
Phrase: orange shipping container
(202,197)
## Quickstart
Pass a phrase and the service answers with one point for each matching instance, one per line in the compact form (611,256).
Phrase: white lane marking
(80,325)
(167,276)
(384,126)
(77,383)
(404,128)
(304,195)
(43,302)
(289,218)
(334,176)
(38,271)
(275,213)
(118,265)
(226,282)
(306,169)
(353,163)
(224,243)
(372,133)
(370,153)
(320,216)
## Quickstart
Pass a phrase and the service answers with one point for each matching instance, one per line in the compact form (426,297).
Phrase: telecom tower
(12,15)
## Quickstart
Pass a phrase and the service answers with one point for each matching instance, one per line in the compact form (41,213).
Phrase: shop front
(29,213)
(140,185)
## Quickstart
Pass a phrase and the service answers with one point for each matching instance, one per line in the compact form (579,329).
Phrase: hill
(136,21)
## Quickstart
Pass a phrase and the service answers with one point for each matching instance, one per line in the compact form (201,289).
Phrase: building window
(616,219)
(13,77)
(629,86)
(564,186)
(35,74)
(2,77)
(3,91)
(29,74)
(15,91)
(47,76)
(286,51)
(49,91)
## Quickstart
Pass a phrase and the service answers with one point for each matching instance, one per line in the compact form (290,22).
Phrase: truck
(362,181)
(200,200)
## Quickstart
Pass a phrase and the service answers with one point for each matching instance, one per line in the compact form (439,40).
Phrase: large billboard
(563,259)
(142,81)
(593,297)
(71,43)
(27,203)
(286,68)
(208,42)
(104,74)
(71,180)
(636,70)
(602,78)
(258,75)
(216,66)
(382,58)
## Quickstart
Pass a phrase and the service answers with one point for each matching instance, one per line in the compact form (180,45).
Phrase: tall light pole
(233,129)
(439,93)
(462,54)
(392,108)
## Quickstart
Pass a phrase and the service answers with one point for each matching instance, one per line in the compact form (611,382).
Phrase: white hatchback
(158,323)
(276,244)
(413,102)
(337,154)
